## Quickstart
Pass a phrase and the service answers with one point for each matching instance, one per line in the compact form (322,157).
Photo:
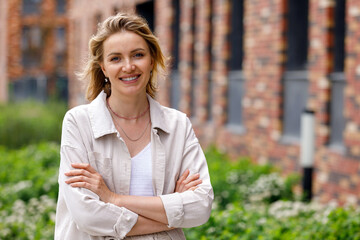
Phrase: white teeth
(129,78)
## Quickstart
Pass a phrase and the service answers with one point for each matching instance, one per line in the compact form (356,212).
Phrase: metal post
(307,151)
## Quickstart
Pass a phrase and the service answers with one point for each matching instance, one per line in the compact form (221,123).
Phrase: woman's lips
(130,79)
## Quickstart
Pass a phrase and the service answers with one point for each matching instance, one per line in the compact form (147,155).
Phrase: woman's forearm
(148,207)
(147,226)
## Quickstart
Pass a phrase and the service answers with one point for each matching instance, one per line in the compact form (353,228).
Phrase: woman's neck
(128,107)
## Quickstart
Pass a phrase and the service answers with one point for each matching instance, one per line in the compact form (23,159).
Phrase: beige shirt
(89,136)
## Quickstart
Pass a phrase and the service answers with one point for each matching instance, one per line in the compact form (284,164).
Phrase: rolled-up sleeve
(191,208)
(90,215)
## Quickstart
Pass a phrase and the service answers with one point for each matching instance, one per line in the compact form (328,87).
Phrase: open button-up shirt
(89,136)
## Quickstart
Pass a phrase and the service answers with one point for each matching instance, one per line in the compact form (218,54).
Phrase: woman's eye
(138,55)
(114,59)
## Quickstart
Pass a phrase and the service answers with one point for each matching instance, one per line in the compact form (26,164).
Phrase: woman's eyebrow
(135,50)
(138,49)
(113,53)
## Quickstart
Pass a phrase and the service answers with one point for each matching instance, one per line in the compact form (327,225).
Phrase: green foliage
(280,221)
(30,122)
(28,191)
(254,202)
(244,181)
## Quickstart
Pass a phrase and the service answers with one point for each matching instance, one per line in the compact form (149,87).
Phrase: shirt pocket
(104,167)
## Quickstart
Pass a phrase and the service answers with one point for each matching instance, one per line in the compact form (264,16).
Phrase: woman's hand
(85,176)
(186,183)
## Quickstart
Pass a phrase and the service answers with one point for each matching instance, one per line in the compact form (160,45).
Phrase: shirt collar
(158,119)
(102,124)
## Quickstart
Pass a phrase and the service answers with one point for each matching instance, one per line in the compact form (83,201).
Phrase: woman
(129,166)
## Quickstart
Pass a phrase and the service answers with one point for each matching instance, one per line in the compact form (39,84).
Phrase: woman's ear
(103,69)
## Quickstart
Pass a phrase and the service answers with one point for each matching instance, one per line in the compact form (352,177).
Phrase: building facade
(34,49)
(244,72)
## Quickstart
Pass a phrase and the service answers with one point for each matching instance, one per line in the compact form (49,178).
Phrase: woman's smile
(130,79)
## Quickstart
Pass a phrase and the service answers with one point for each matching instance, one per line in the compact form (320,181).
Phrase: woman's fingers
(84,166)
(85,176)
(194,183)
(192,178)
(184,176)
(75,179)
(187,182)
(78,172)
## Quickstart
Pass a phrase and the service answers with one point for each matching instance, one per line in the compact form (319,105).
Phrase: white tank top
(141,173)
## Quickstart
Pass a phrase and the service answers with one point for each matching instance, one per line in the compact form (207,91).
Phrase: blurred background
(243,71)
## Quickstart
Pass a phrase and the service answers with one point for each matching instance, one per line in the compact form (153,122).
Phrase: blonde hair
(114,24)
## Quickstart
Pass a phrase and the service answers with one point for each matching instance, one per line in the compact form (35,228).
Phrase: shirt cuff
(174,209)
(125,223)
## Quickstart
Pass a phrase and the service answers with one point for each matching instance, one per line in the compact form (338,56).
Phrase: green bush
(28,191)
(244,181)
(249,204)
(246,207)
(280,220)
(30,122)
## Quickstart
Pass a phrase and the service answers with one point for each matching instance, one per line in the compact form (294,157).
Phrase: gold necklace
(127,118)
(133,140)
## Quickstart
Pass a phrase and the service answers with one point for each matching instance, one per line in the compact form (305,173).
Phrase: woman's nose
(128,66)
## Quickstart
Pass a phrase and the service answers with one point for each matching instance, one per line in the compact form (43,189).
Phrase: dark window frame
(146,10)
(61,7)
(338,81)
(31,7)
(235,75)
(31,46)
(295,78)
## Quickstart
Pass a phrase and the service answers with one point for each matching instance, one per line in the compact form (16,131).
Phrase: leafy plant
(26,123)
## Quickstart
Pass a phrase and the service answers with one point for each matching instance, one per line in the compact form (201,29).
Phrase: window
(297,35)
(146,10)
(236,79)
(60,48)
(175,78)
(30,7)
(337,120)
(31,46)
(295,78)
(60,6)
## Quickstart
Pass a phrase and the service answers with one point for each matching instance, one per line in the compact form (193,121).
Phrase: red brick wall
(336,174)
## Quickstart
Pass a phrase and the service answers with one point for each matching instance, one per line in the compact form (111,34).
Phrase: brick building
(34,47)
(244,71)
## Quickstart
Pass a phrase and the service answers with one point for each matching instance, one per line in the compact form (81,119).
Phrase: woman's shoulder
(77,112)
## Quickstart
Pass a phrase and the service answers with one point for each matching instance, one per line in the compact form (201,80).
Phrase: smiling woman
(129,166)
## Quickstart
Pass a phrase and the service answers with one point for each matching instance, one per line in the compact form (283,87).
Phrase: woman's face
(127,63)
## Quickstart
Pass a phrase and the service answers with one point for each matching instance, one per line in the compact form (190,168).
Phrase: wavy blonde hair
(120,22)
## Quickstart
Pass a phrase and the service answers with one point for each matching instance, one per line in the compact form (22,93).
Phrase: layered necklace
(113,113)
